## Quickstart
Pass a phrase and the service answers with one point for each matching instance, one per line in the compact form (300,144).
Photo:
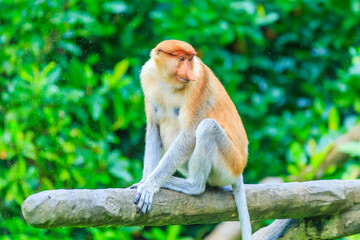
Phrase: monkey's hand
(144,198)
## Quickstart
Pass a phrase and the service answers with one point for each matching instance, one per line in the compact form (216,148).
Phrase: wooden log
(115,207)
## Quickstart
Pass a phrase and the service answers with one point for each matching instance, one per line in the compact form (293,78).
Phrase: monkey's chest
(168,120)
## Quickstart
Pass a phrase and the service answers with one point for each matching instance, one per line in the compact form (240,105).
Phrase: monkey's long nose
(189,73)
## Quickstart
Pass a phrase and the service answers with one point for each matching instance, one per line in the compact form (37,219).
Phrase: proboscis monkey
(192,120)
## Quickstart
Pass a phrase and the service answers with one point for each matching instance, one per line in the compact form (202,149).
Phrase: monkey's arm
(177,154)
(152,151)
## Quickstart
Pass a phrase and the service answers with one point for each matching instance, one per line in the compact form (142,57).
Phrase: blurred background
(71,106)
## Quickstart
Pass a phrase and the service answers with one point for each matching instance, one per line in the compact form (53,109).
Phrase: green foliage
(71,107)
(170,233)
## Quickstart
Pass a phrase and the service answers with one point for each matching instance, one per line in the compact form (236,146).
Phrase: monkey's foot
(144,198)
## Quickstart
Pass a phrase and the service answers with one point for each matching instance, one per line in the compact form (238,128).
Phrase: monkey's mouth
(184,80)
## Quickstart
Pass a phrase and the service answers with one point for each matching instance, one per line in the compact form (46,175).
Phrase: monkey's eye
(182,59)
(191,58)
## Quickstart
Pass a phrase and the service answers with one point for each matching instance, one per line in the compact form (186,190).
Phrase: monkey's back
(224,112)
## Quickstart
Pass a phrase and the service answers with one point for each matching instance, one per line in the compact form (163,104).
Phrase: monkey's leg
(209,137)
(152,152)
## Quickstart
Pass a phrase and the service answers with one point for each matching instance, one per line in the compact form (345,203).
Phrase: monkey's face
(177,68)
(184,71)
(174,60)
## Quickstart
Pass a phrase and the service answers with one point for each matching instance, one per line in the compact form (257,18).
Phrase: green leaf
(28,150)
(248,7)
(70,47)
(355,6)
(115,7)
(158,233)
(260,10)
(25,187)
(26,76)
(293,170)
(268,19)
(103,178)
(64,175)
(46,183)
(357,105)
(96,105)
(173,232)
(317,158)
(334,119)
(80,179)
(119,71)
(21,169)
(12,192)
(16,170)
(3,183)
(297,154)
(47,69)
(54,75)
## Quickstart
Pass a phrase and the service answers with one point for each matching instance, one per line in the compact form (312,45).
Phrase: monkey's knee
(207,127)
(197,188)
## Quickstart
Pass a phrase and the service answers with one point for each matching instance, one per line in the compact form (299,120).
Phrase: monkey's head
(174,59)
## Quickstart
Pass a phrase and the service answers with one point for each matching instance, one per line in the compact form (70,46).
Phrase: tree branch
(326,227)
(115,207)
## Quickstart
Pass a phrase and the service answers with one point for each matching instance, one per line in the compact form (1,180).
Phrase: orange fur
(203,98)
(175,47)
(210,90)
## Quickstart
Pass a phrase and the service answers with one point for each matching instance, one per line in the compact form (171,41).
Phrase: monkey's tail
(241,205)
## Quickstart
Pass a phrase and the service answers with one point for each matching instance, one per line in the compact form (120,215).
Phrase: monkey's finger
(137,197)
(140,204)
(143,210)
(138,209)
(145,205)
(148,208)
(149,205)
